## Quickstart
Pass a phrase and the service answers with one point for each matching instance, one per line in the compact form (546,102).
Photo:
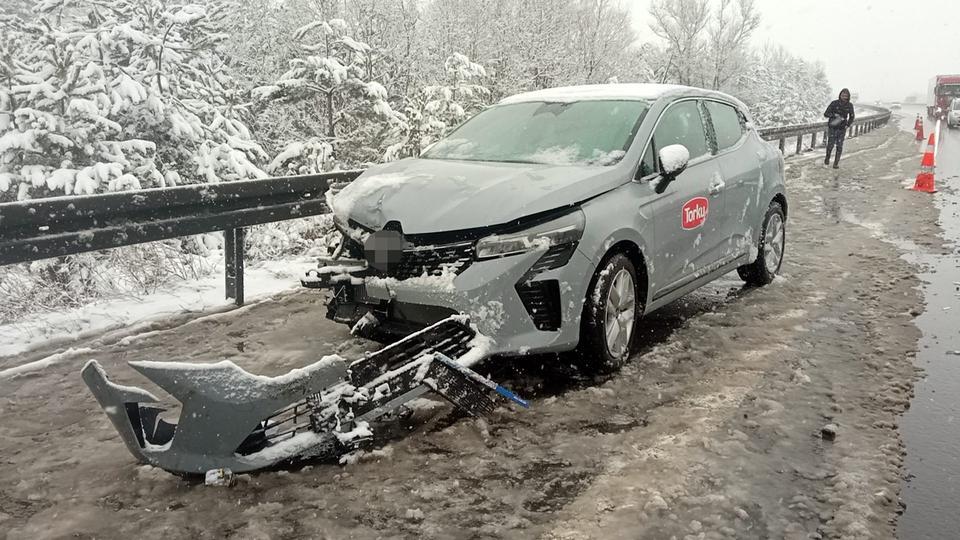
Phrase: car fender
(605,229)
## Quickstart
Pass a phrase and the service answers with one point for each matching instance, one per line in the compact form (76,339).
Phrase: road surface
(931,428)
(713,430)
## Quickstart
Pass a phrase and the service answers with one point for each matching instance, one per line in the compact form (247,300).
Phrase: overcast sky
(881,49)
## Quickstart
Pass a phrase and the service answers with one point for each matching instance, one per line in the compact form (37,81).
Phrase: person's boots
(836,163)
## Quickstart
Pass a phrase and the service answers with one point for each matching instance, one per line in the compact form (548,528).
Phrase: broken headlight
(564,230)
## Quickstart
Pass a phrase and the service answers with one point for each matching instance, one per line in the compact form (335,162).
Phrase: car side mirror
(673,160)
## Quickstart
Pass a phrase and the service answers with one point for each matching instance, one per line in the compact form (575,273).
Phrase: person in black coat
(840,115)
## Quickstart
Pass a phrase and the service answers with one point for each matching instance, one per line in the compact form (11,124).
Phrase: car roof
(618,91)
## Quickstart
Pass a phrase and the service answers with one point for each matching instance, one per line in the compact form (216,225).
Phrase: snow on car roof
(624,91)
(646,92)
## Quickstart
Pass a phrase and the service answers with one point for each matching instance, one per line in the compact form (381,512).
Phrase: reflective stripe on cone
(925,180)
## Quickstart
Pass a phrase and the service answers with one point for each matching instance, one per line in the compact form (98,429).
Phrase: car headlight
(563,230)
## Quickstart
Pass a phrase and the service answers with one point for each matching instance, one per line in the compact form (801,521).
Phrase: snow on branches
(782,89)
(436,109)
(115,96)
(335,73)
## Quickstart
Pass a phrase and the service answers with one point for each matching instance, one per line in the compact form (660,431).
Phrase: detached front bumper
(239,421)
(223,414)
(531,302)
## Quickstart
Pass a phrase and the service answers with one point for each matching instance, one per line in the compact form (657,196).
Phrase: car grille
(423,260)
(542,302)
(449,337)
(432,261)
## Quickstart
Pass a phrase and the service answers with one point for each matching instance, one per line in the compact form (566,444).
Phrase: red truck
(943,89)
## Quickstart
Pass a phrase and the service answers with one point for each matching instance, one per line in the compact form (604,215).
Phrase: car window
(681,124)
(726,124)
(648,165)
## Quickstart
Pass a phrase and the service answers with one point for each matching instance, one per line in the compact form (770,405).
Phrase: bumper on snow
(233,419)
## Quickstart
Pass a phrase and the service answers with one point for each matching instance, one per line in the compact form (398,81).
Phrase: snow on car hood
(432,195)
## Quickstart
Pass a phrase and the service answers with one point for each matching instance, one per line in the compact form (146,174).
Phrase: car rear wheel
(773,238)
(610,316)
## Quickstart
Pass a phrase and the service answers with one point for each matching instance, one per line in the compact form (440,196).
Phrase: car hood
(431,195)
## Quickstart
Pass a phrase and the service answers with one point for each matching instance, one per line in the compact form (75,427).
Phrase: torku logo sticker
(694,213)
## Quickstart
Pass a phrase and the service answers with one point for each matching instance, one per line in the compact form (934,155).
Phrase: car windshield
(955,105)
(577,133)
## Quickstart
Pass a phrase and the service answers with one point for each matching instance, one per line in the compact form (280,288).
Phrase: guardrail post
(782,145)
(233,267)
(813,140)
(799,144)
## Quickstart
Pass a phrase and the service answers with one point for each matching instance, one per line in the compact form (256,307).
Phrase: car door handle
(717,186)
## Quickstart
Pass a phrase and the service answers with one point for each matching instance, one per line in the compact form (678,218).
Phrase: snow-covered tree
(782,89)
(728,37)
(121,94)
(603,41)
(332,76)
(531,44)
(436,109)
(681,24)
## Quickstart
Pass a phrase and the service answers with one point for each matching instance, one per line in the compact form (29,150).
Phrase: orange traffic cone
(919,128)
(925,180)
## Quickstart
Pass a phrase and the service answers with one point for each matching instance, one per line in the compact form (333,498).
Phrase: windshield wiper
(486,160)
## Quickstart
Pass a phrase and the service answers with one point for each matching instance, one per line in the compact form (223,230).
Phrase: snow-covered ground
(261,280)
(713,430)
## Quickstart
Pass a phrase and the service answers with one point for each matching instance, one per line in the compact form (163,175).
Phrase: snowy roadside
(132,314)
(715,429)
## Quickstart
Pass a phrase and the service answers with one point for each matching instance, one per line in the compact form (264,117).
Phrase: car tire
(773,236)
(603,348)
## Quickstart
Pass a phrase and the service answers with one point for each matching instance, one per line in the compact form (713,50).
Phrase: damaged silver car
(550,222)
(556,219)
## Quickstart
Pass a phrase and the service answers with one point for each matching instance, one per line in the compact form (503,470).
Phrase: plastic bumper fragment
(232,419)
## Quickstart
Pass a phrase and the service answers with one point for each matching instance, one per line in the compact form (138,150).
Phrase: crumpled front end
(531,301)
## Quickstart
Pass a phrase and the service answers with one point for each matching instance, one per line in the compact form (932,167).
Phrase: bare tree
(728,35)
(681,23)
(604,36)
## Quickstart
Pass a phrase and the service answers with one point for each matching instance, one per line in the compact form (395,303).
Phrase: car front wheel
(610,316)
(773,238)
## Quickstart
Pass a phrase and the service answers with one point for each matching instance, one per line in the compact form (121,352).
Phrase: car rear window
(726,124)
(577,133)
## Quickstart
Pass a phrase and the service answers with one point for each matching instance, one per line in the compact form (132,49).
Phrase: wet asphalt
(931,427)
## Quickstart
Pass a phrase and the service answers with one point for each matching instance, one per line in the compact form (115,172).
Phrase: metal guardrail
(860,126)
(59,226)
